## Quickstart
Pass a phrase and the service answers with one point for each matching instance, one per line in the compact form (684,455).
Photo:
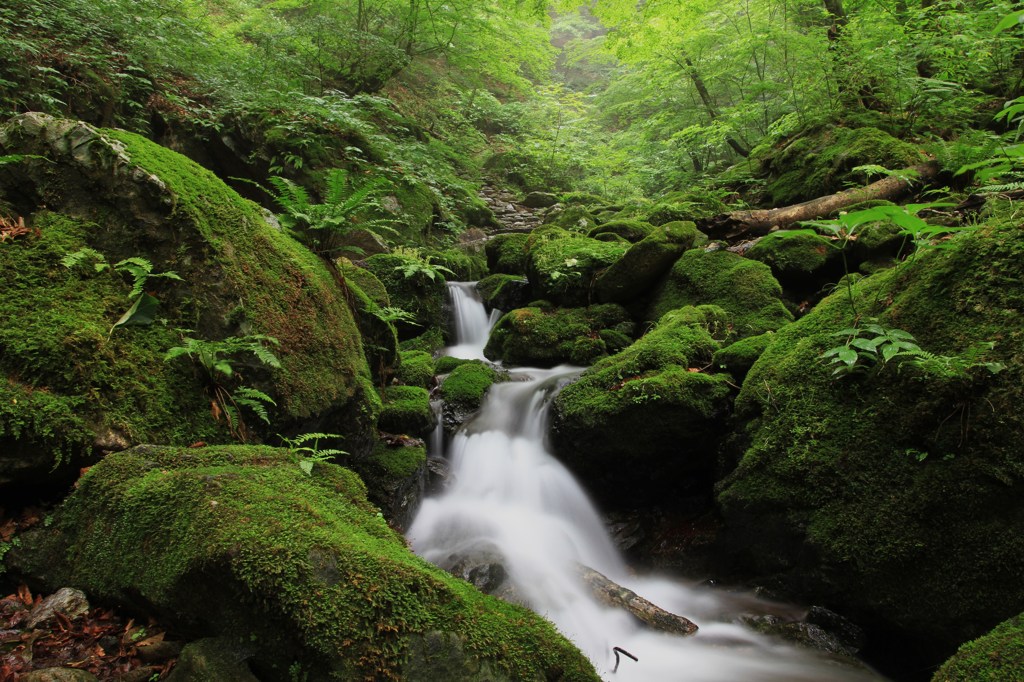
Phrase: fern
(84,255)
(309,455)
(256,401)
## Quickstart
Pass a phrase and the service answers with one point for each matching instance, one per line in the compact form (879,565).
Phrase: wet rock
(66,601)
(212,659)
(850,635)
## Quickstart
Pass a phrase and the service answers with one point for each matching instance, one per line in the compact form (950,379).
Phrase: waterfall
(514,510)
(472,323)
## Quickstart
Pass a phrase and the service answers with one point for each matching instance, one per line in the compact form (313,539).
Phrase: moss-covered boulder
(407,411)
(416,368)
(395,475)
(639,428)
(819,160)
(798,258)
(563,269)
(995,657)
(544,337)
(645,263)
(504,292)
(849,485)
(464,389)
(465,267)
(630,230)
(744,288)
(71,385)
(737,358)
(507,254)
(574,218)
(239,542)
(415,287)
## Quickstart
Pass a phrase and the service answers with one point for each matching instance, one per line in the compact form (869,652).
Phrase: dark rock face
(540,200)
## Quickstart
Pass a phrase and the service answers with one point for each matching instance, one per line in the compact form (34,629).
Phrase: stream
(514,509)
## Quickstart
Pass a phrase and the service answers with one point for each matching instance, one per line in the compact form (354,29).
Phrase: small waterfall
(511,504)
(472,323)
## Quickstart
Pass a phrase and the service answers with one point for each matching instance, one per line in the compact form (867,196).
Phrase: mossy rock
(846,485)
(416,368)
(630,230)
(564,269)
(465,267)
(213,658)
(995,657)
(797,256)
(413,206)
(82,389)
(539,337)
(744,288)
(253,549)
(737,358)
(417,293)
(645,263)
(365,280)
(640,426)
(575,218)
(464,389)
(379,337)
(504,292)
(507,254)
(407,411)
(430,341)
(395,478)
(446,364)
(820,161)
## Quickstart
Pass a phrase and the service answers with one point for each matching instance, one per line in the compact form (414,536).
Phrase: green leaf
(1009,21)
(889,352)
(307,466)
(142,313)
(848,355)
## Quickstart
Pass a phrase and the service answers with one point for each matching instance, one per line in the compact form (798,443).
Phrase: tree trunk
(613,594)
(760,222)
(709,104)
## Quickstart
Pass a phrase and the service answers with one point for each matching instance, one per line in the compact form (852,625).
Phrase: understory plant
(415,263)
(223,382)
(142,311)
(308,455)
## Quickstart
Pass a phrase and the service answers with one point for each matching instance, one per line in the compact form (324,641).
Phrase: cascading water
(472,323)
(511,504)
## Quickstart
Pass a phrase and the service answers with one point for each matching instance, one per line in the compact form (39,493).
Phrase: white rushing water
(512,503)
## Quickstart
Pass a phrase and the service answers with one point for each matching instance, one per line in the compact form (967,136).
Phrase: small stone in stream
(58,675)
(66,601)
(142,674)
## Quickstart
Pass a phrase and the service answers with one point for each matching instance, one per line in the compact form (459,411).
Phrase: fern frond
(289,195)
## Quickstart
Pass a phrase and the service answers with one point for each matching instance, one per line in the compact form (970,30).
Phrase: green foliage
(309,455)
(416,264)
(218,359)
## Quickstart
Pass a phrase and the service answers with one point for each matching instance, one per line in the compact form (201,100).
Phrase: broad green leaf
(142,312)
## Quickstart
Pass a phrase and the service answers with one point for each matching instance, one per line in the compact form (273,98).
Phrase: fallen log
(613,594)
(762,221)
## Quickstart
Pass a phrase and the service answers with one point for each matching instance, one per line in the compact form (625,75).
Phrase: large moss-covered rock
(798,257)
(504,292)
(645,263)
(464,389)
(563,269)
(396,478)
(639,427)
(848,486)
(543,337)
(71,386)
(249,547)
(407,411)
(630,230)
(744,288)
(507,254)
(820,160)
(416,369)
(995,657)
(411,288)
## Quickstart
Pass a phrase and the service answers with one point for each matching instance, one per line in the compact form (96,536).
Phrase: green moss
(737,358)
(417,293)
(793,253)
(655,382)
(429,341)
(252,548)
(995,657)
(574,218)
(849,484)
(645,263)
(367,282)
(503,292)
(820,161)
(539,337)
(287,291)
(67,377)
(417,368)
(467,267)
(407,410)
(447,363)
(564,269)
(630,230)
(465,387)
(507,253)
(745,289)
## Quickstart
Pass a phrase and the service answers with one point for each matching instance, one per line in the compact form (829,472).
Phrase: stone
(66,601)
(58,675)
(540,200)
